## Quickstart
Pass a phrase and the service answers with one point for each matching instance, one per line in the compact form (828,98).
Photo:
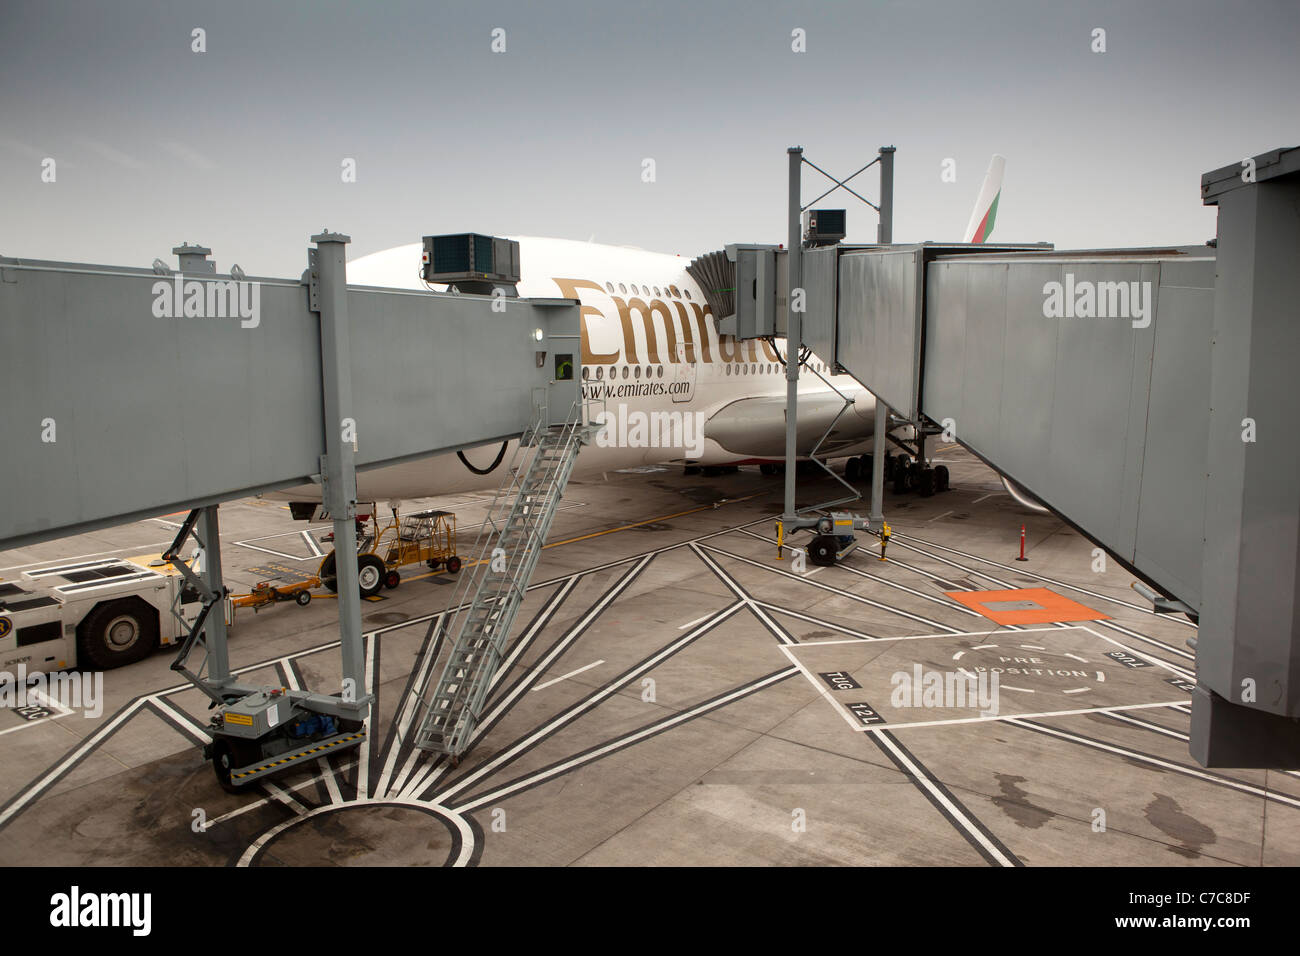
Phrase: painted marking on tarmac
(568,675)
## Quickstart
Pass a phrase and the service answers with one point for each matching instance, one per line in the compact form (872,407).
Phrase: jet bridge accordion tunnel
(1148,396)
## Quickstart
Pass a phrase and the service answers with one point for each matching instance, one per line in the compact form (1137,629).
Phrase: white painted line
(1033,647)
(184,720)
(363,759)
(331,784)
(991,494)
(1077,690)
(582,706)
(1157,762)
(278,554)
(821,688)
(1081,660)
(621,742)
(239,811)
(937,517)
(980,647)
(171,524)
(285,797)
(1023,690)
(958,656)
(697,621)
(1011,718)
(1101,677)
(312,545)
(568,675)
(39,785)
(466,834)
(967,674)
(936,794)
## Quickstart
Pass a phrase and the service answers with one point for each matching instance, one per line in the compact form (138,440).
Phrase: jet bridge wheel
(821,551)
(226,755)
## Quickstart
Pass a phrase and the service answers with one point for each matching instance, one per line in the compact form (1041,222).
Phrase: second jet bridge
(1145,395)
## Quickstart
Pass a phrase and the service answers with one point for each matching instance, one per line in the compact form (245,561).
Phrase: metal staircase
(508,547)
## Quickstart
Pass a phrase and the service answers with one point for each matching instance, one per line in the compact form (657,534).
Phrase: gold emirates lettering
(675,328)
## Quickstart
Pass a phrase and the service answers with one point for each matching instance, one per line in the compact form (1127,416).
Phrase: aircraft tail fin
(985,212)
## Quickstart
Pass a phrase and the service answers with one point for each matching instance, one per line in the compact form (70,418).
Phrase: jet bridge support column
(794,338)
(215,624)
(879,445)
(328,290)
(1246,708)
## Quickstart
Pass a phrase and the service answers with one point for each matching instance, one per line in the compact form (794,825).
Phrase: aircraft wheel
(370,574)
(925,482)
(941,478)
(768,468)
(329,574)
(852,470)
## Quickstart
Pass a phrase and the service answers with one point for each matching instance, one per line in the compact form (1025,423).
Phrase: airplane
(737,389)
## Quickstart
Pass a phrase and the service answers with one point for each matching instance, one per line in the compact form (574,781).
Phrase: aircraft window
(600,372)
(585,370)
(656,288)
(661,371)
(728,369)
(636,373)
(687,293)
(625,371)
(609,287)
(673,290)
(622,288)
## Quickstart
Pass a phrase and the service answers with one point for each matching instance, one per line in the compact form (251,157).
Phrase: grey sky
(240,147)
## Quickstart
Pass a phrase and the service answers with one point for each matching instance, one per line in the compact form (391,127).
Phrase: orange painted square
(1054,608)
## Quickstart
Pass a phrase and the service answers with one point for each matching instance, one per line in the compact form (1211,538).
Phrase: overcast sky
(241,147)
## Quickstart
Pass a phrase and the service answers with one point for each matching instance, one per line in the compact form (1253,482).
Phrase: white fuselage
(649,343)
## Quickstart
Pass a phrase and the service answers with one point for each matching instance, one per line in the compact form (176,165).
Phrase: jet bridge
(1145,395)
(133,392)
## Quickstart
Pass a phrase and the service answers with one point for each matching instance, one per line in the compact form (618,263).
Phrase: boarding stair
(492,588)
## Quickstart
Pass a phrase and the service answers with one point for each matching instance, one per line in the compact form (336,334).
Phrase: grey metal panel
(879,334)
(154,413)
(1065,405)
(820,267)
(1171,517)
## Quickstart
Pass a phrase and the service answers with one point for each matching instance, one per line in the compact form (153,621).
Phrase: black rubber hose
(490,468)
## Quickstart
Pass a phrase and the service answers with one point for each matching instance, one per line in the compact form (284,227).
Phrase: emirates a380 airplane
(736,389)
